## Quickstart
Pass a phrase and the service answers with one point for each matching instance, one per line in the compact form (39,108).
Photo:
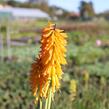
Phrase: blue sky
(72,5)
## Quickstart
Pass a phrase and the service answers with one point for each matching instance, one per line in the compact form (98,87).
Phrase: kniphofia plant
(46,71)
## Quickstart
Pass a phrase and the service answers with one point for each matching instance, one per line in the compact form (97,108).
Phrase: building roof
(25,12)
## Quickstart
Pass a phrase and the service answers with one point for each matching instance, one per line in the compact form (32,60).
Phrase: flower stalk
(41,104)
(46,71)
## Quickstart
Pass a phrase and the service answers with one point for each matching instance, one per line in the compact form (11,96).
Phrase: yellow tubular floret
(46,71)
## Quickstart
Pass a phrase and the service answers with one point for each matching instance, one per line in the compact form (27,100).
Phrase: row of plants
(78,91)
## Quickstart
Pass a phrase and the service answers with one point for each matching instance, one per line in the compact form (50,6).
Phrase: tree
(12,2)
(86,10)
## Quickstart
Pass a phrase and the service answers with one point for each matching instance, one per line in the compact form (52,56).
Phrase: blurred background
(85,83)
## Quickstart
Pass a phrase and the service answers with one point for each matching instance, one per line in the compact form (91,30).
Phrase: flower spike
(46,71)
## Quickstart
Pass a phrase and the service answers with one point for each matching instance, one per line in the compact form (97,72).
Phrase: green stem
(48,100)
(40,104)
(46,104)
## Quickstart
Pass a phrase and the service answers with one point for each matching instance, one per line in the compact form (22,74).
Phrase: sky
(73,5)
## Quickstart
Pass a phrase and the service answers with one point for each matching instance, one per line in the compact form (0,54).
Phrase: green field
(84,58)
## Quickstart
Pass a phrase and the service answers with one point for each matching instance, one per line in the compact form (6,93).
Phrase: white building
(25,13)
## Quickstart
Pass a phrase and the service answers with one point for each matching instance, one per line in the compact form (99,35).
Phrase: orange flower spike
(46,72)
